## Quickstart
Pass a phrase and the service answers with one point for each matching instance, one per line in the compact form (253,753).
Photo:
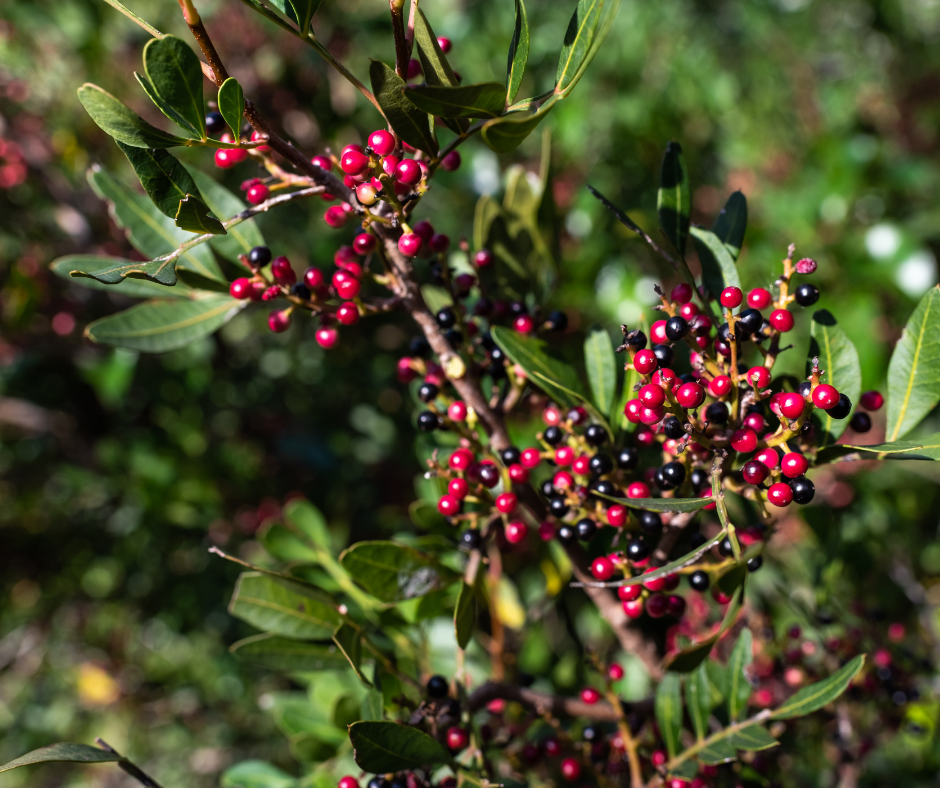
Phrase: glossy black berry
(717,413)
(841,409)
(637,550)
(453,337)
(553,435)
(510,456)
(664,355)
(438,687)
(587,529)
(755,563)
(489,475)
(696,540)
(650,522)
(673,428)
(558,506)
(750,321)
(804,389)
(803,489)
(427,421)
(725,548)
(378,782)
(674,473)
(660,481)
(687,377)
(446,318)
(300,290)
(724,333)
(567,534)
(547,488)
(557,321)
(806,294)
(699,479)
(215,124)
(590,734)
(259,256)
(601,464)
(419,347)
(595,434)
(676,328)
(471,539)
(861,422)
(627,458)
(496,370)
(636,339)
(428,392)
(699,580)
(605,487)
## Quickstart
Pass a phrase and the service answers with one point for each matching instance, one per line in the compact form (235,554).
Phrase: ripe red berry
(364,243)
(645,361)
(755,421)
(444,44)
(457,738)
(223,158)
(759,298)
(650,416)
(347,286)
(381,142)
(638,490)
(524,324)
(323,162)
(506,502)
(519,474)
(658,333)
(530,458)
(657,584)
(744,440)
(758,376)
(581,465)
(719,385)
(458,488)
(313,278)
(688,311)
(659,757)
(457,411)
(279,321)
(617,515)
(681,293)
(460,459)
(240,288)
(633,607)
(871,400)
(615,671)
(657,606)
(629,593)
(516,532)
(327,337)
(754,472)
(440,243)
(651,395)
(675,606)
(451,161)
(257,194)
(781,319)
(570,769)
(825,396)
(408,172)
(335,216)
(271,293)
(690,395)
(632,410)
(780,494)
(448,505)
(731,297)
(347,314)
(590,695)
(793,464)
(348,782)
(409,244)
(564,456)
(282,271)
(414,68)
(563,481)
(791,405)
(603,569)
(768,457)
(353,162)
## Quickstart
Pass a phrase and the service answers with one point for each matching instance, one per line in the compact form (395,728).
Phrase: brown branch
(402,47)
(543,702)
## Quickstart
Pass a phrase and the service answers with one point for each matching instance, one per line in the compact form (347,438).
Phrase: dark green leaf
(413,125)
(164,179)
(162,324)
(518,53)
(660,504)
(817,695)
(601,365)
(381,747)
(283,607)
(698,700)
(63,753)
(484,100)
(668,707)
(241,238)
(914,370)
(839,359)
(162,273)
(732,223)
(393,572)
(718,268)
(687,770)
(464,614)
(437,70)
(507,132)
(753,737)
(121,122)
(578,39)
(927,448)
(719,751)
(165,108)
(373,705)
(175,73)
(132,288)
(256,774)
(545,367)
(193,216)
(303,13)
(349,641)
(739,689)
(674,199)
(732,577)
(284,654)
(232,105)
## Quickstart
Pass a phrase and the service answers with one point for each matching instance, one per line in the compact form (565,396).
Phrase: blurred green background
(118,471)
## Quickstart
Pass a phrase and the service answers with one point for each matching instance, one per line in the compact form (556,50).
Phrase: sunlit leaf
(839,359)
(821,693)
(518,53)
(175,73)
(231,103)
(121,122)
(413,125)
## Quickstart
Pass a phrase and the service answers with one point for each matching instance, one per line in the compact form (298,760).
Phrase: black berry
(699,479)
(650,522)
(509,456)
(627,458)
(637,550)
(673,473)
(446,318)
(664,355)
(454,338)
(471,539)
(427,421)
(419,347)
(553,435)
(605,487)
(596,435)
(437,687)
(755,563)
(489,475)
(861,422)
(428,392)
(673,428)
(567,534)
(699,580)
(676,328)
(557,321)
(259,256)
(841,409)
(750,321)
(215,124)
(300,290)
(558,506)
(803,489)
(548,489)
(725,548)
(587,528)
(696,540)
(601,464)
(636,339)
(806,294)
(717,413)
(378,782)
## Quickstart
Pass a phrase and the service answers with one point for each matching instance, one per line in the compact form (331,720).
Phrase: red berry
(690,395)
(451,161)
(444,44)
(615,671)
(675,606)
(769,457)
(279,322)
(633,607)
(645,361)
(781,319)
(793,464)
(681,293)
(348,782)
(313,278)
(389,163)
(603,569)
(460,459)
(414,68)
(759,298)
(335,216)
(651,395)
(256,137)
(458,488)
(590,695)
(563,481)
(223,158)
(546,531)
(719,596)
(758,376)
(257,290)
(632,410)
(755,421)
(780,494)
(719,385)
(791,405)
(518,473)
(688,311)
(617,515)
(424,230)
(366,194)
(439,243)
(530,458)
(409,244)
(347,286)
(551,416)
(629,593)
(327,337)
(825,396)
(448,505)
(564,456)
(353,162)
(678,782)
(364,243)
(240,288)
(754,471)
(506,502)
(731,297)
(638,490)
(570,769)
(650,416)
(581,465)
(457,411)
(457,738)
(257,194)
(806,266)
(347,314)
(658,584)
(657,606)
(744,441)
(323,162)
(271,293)
(659,757)
(408,172)
(524,324)
(871,400)
(381,142)
(516,532)
(282,272)
(658,332)
(483,258)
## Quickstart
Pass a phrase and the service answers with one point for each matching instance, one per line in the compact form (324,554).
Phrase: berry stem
(722,507)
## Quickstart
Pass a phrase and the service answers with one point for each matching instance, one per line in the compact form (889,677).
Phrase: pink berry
(271,293)
(457,411)
(347,314)
(223,158)
(638,490)
(645,361)
(348,782)
(279,321)
(617,515)
(759,298)
(657,606)
(688,311)
(408,172)
(257,194)
(439,243)
(615,671)
(461,459)
(563,481)
(633,607)
(519,474)
(681,293)
(240,288)
(602,568)
(564,456)
(731,297)
(675,606)
(590,695)
(825,396)
(381,142)
(347,286)
(323,162)
(582,465)
(516,532)
(659,757)
(658,333)
(650,416)
(409,244)
(632,410)
(424,230)
(458,488)
(524,324)
(335,216)
(353,162)
(483,258)
(256,137)
(414,68)
(872,400)
(530,458)
(719,385)
(806,266)
(570,769)
(782,320)
(313,278)
(444,44)
(768,457)
(506,502)
(629,593)
(451,161)
(282,271)
(327,337)
(364,243)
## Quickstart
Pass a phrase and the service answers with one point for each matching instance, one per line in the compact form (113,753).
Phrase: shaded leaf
(373,705)
(668,707)
(753,737)
(175,73)
(64,752)
(256,774)
(731,224)
(732,577)
(283,654)
(738,688)
(691,657)
(464,614)
(518,53)
(507,132)
(121,122)
(817,695)
(674,198)
(545,367)
(601,365)
(164,179)
(577,42)
(914,369)
(437,70)
(283,607)
(165,108)
(718,268)
(162,273)
(349,641)
(393,572)
(698,700)
(839,358)
(927,448)
(381,747)
(413,125)
(303,13)
(231,102)
(193,216)
(659,504)
(132,288)
(483,100)
(716,752)
(241,238)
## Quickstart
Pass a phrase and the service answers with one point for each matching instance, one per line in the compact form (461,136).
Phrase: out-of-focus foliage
(118,471)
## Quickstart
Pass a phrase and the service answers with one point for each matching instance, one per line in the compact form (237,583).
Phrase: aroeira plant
(615,488)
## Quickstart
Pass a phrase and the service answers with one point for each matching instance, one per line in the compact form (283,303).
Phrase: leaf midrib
(910,383)
(179,325)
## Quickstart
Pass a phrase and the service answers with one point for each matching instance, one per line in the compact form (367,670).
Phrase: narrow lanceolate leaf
(597,40)
(914,370)
(483,100)
(601,365)
(117,270)
(839,358)
(349,641)
(241,238)
(698,700)
(668,707)
(927,449)
(753,737)
(394,572)
(738,689)
(518,53)
(164,179)
(381,747)
(193,216)
(165,108)
(543,364)
(732,223)
(175,72)
(817,695)
(578,39)
(303,13)
(507,132)
(464,615)
(232,105)
(121,122)
(63,753)
(164,324)
(283,654)
(284,608)
(674,199)
(660,504)
(256,774)
(718,268)
(716,752)
(437,70)
(413,125)
(130,287)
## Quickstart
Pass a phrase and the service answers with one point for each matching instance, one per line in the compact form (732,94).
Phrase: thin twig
(132,769)
(543,702)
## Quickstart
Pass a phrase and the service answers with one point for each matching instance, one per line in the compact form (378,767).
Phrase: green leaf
(63,753)
(578,39)
(231,102)
(817,695)
(121,122)
(164,179)
(543,364)
(284,608)
(286,546)
(690,658)
(256,774)
(303,13)
(349,641)
(698,700)
(464,614)
(686,769)
(601,365)
(162,273)
(309,520)
(175,72)
(674,199)
(241,238)
(718,268)
(732,223)
(284,654)
(165,108)
(131,287)
(507,132)
(927,448)
(660,504)
(732,577)
(413,125)
(373,705)
(518,53)
(393,572)
(193,216)
(739,689)
(839,358)
(483,100)
(381,747)
(719,751)
(753,737)
(668,707)
(162,324)
(914,370)
(437,70)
